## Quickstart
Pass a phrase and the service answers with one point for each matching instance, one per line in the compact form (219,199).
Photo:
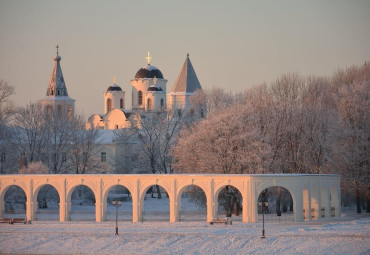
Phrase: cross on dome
(148,58)
(114,80)
(57,49)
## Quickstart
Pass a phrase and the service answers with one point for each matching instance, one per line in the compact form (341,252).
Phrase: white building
(149,94)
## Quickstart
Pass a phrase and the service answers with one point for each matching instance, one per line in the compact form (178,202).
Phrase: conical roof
(57,87)
(187,81)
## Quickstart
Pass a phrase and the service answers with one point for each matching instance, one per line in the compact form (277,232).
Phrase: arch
(227,204)
(149,104)
(109,104)
(162,104)
(121,103)
(81,207)
(16,206)
(125,210)
(280,203)
(43,209)
(179,200)
(154,213)
(140,97)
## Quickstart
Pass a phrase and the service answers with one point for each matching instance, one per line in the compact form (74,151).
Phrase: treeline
(297,124)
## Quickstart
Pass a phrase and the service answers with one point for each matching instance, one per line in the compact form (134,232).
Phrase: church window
(69,112)
(116,126)
(149,104)
(140,97)
(48,111)
(103,157)
(109,104)
(58,92)
(179,112)
(162,104)
(59,110)
(121,103)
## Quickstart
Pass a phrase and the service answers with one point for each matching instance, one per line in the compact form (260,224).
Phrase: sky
(232,44)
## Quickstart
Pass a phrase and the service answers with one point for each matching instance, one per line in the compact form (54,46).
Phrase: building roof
(149,71)
(57,86)
(115,87)
(187,81)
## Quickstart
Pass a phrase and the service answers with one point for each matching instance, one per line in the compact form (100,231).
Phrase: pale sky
(232,44)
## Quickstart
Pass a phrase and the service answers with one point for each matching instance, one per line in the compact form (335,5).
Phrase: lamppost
(117,203)
(263,204)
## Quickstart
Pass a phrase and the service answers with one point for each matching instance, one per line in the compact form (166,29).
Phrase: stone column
(98,202)
(173,202)
(210,201)
(29,203)
(246,205)
(135,202)
(298,203)
(63,215)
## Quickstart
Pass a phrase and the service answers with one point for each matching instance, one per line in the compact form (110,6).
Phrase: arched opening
(49,110)
(155,204)
(315,210)
(121,104)
(15,202)
(82,205)
(140,97)
(109,104)
(192,204)
(334,202)
(229,203)
(47,203)
(276,203)
(123,211)
(59,111)
(162,104)
(149,104)
(69,112)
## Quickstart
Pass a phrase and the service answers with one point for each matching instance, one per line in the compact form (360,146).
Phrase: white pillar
(173,202)
(245,201)
(298,204)
(98,202)
(210,201)
(29,203)
(63,215)
(135,202)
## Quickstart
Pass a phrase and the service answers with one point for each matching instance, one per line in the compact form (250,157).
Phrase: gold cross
(114,80)
(57,49)
(148,58)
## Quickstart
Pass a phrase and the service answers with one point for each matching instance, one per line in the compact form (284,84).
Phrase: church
(149,94)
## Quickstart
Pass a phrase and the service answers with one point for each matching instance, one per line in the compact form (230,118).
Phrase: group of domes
(149,94)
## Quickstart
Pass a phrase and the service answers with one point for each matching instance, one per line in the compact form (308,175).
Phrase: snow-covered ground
(349,234)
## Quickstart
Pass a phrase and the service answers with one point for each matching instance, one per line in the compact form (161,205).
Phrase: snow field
(344,235)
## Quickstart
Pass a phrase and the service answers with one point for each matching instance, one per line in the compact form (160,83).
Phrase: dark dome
(154,88)
(149,72)
(114,88)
